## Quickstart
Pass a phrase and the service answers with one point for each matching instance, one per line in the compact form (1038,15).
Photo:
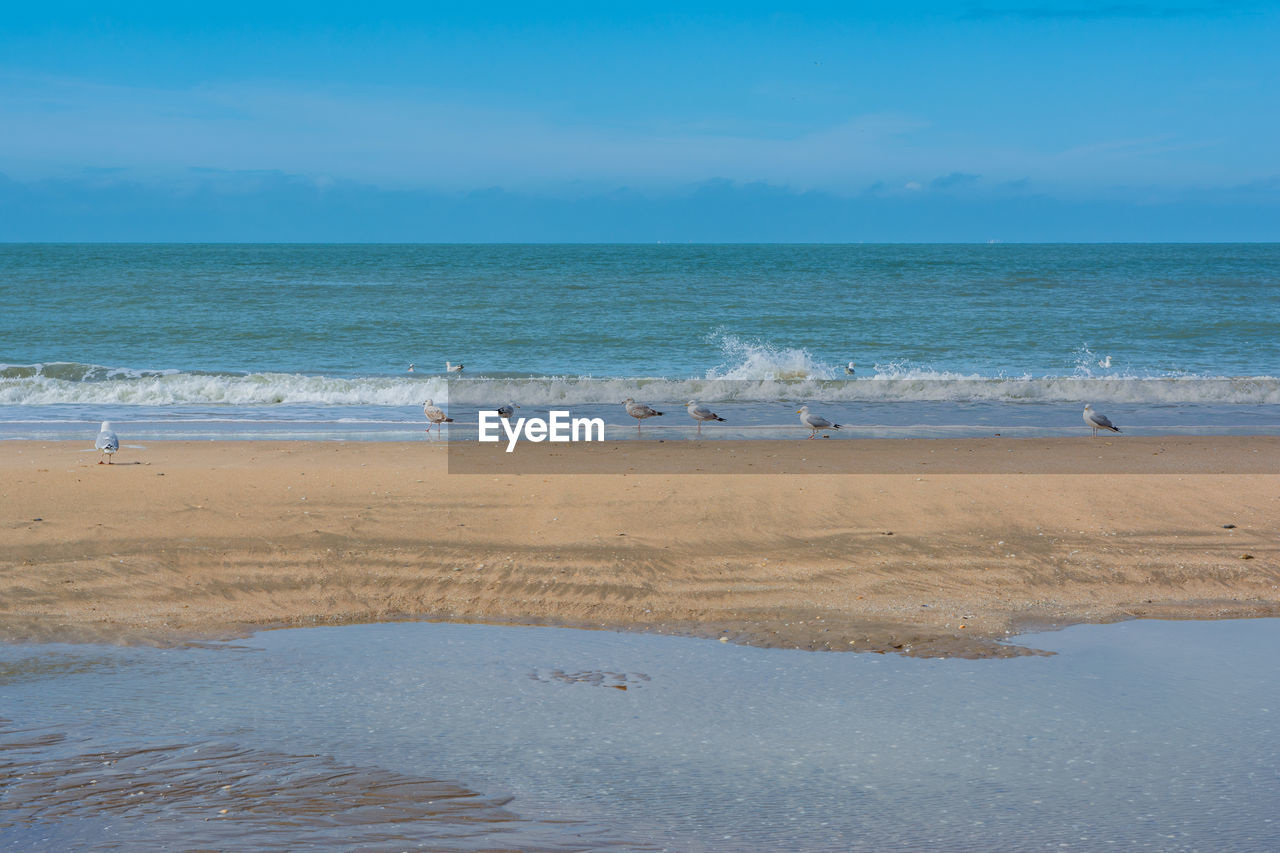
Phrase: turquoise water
(1142,735)
(295,340)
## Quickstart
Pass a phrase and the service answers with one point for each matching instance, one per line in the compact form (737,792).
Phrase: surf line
(560,427)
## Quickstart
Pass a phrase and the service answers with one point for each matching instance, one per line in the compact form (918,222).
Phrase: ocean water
(188,341)
(1141,735)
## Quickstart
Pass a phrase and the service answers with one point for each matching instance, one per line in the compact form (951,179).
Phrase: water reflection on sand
(464,737)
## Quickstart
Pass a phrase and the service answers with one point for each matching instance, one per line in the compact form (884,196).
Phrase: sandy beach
(924,547)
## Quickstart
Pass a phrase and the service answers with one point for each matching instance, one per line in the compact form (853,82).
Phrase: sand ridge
(206,538)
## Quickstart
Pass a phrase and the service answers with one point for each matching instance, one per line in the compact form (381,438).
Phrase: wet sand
(926,547)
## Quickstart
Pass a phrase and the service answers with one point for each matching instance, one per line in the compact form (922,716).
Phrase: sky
(1054,120)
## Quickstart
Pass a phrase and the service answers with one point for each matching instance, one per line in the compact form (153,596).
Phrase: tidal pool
(1156,735)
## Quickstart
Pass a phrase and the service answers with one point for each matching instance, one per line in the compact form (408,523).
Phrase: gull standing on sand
(435,415)
(701,413)
(640,411)
(814,422)
(848,369)
(1097,421)
(508,410)
(107,441)
(450,367)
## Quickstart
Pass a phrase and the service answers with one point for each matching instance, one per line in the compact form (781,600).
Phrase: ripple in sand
(61,791)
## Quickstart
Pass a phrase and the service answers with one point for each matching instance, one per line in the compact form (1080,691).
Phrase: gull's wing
(1101,420)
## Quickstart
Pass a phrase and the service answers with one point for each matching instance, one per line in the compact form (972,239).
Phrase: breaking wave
(762,374)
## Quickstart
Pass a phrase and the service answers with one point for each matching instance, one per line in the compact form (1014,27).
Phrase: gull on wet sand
(701,413)
(814,422)
(450,367)
(508,410)
(640,411)
(435,415)
(107,442)
(1097,421)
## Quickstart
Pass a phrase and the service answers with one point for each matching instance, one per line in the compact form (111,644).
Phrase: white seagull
(701,413)
(435,415)
(814,422)
(640,411)
(450,367)
(1097,421)
(508,410)
(107,441)
(848,369)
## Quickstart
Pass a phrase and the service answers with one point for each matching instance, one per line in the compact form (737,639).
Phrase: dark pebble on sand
(1228,527)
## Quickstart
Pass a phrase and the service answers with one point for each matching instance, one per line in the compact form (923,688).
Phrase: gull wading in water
(508,410)
(701,413)
(848,369)
(450,367)
(814,422)
(640,411)
(435,415)
(411,368)
(107,441)
(1097,421)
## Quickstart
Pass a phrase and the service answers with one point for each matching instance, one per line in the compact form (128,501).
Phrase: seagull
(508,410)
(411,368)
(1097,421)
(107,441)
(848,369)
(450,367)
(701,413)
(435,415)
(814,422)
(639,411)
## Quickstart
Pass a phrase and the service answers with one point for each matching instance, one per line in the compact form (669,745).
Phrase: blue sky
(574,121)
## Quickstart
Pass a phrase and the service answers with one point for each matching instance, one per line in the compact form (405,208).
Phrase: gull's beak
(797,411)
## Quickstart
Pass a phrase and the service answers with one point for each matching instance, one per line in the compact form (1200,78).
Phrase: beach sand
(925,547)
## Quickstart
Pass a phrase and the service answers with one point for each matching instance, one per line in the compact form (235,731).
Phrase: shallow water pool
(1156,735)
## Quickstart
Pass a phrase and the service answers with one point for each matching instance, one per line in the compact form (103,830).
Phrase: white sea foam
(40,385)
(755,360)
(34,385)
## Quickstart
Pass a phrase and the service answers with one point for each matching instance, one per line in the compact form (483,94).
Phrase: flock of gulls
(108,443)
(816,423)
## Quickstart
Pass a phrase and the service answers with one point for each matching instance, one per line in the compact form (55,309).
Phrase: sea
(174,341)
